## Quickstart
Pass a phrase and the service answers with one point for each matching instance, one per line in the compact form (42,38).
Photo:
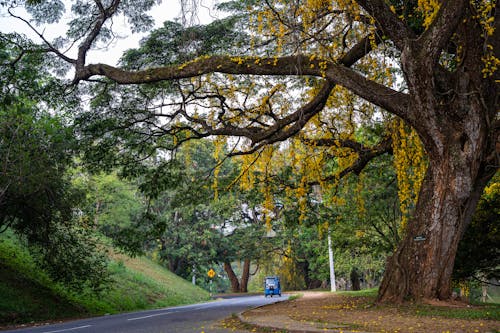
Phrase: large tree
(446,51)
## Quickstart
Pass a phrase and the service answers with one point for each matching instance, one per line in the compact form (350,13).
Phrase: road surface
(183,319)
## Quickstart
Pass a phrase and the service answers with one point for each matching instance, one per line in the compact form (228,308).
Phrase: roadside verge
(333,313)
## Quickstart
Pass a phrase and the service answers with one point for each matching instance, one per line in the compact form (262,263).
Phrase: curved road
(183,319)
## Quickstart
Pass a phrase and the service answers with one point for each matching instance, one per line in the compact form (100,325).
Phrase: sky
(167,10)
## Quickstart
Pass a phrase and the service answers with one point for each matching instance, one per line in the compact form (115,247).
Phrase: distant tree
(184,227)
(245,239)
(176,224)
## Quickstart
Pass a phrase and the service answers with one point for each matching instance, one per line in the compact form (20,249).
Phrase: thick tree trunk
(245,276)
(422,266)
(235,284)
(454,114)
(355,283)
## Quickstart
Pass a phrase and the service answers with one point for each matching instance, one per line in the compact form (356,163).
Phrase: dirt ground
(360,314)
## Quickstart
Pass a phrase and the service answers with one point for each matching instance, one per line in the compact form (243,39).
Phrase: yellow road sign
(211,273)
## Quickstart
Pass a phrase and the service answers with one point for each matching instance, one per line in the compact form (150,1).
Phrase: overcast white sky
(167,10)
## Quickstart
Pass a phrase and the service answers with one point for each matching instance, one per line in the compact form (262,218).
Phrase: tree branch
(290,65)
(435,38)
(50,47)
(281,128)
(299,65)
(391,100)
(365,154)
(105,14)
(388,22)
(292,124)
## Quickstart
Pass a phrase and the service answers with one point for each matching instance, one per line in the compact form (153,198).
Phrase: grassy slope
(26,294)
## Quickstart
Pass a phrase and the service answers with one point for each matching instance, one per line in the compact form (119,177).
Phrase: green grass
(487,311)
(28,294)
(295,296)
(23,300)
(360,293)
(139,283)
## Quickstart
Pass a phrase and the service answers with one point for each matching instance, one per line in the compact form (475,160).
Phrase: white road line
(149,316)
(69,329)
(163,313)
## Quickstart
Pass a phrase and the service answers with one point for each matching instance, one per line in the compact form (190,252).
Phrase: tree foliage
(314,74)
(37,198)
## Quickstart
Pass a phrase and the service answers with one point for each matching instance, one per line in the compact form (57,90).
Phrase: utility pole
(330,257)
(319,196)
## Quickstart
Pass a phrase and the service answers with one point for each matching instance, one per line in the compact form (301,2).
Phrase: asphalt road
(183,319)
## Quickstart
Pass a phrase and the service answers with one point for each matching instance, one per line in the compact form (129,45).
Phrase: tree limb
(293,123)
(105,14)
(51,48)
(435,38)
(388,22)
(387,98)
(365,154)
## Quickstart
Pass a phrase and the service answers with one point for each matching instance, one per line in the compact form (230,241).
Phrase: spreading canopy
(300,68)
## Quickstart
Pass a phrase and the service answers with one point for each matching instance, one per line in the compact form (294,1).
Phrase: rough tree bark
(235,283)
(421,267)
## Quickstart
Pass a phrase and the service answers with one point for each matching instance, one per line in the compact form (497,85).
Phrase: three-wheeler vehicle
(272,286)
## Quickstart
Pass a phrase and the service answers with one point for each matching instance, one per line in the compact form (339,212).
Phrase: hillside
(28,295)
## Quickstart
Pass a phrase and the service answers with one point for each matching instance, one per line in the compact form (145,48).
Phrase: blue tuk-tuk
(272,286)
